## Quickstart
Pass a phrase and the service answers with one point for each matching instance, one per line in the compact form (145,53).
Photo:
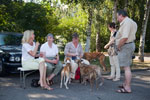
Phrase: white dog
(66,73)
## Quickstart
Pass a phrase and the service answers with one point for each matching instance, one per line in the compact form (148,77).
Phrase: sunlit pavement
(10,89)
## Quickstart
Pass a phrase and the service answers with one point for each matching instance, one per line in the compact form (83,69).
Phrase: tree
(126,5)
(88,38)
(114,15)
(98,19)
(90,5)
(142,36)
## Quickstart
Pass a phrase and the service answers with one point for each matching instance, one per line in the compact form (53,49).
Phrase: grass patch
(140,65)
(136,64)
(94,62)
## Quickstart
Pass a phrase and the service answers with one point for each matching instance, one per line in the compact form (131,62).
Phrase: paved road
(10,90)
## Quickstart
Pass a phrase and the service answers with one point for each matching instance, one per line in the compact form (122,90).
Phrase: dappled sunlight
(6,82)
(140,65)
(2,84)
(140,85)
(144,78)
(44,95)
(146,60)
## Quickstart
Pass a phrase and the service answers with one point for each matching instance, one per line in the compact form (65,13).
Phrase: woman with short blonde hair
(26,36)
(29,52)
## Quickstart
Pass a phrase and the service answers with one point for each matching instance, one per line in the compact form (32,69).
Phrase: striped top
(70,48)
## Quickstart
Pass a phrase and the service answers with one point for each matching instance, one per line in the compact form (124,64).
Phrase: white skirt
(32,63)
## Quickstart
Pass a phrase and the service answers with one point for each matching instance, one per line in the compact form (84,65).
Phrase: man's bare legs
(128,77)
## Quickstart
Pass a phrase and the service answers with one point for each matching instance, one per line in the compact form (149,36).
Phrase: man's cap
(50,34)
(75,35)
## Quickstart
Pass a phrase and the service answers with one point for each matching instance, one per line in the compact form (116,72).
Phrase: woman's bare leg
(44,74)
(44,77)
(41,70)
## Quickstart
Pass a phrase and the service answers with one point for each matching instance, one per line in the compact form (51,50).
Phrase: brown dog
(94,55)
(90,72)
(66,73)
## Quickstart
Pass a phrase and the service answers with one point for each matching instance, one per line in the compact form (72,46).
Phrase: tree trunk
(114,15)
(98,46)
(142,36)
(98,49)
(126,5)
(87,47)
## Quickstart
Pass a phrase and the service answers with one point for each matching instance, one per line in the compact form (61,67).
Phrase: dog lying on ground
(90,72)
(66,73)
(94,55)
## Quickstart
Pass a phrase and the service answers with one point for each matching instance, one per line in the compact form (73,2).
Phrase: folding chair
(23,75)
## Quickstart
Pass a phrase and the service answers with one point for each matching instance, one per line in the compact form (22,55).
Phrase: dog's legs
(91,83)
(101,60)
(102,81)
(64,78)
(97,85)
(84,80)
(67,79)
(62,74)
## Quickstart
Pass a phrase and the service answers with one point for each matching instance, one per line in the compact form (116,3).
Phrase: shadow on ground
(10,90)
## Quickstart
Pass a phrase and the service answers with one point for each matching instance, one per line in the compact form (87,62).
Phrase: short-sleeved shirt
(26,47)
(49,51)
(70,48)
(127,29)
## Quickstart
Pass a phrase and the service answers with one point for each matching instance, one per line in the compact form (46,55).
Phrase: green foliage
(62,22)
(18,17)
(39,18)
(75,22)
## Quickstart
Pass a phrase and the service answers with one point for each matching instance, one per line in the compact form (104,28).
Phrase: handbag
(112,50)
(35,83)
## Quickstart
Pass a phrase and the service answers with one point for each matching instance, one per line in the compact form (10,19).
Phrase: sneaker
(116,79)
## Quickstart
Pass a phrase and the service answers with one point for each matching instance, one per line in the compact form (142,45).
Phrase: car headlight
(1,51)
(17,59)
(12,58)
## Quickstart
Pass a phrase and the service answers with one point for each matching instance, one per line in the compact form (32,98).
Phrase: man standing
(125,44)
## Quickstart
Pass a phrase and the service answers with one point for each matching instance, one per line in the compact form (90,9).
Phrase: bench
(23,75)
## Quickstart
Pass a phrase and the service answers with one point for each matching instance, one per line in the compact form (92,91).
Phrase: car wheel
(2,69)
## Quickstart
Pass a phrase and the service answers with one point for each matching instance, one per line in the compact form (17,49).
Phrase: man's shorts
(125,54)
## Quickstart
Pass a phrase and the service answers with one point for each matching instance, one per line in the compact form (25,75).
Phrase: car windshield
(10,39)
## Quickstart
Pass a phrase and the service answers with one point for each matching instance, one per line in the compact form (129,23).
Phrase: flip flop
(122,90)
(48,88)
(121,86)
(51,82)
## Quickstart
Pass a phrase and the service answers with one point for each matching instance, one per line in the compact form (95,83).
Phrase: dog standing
(66,73)
(93,55)
(92,73)
(99,74)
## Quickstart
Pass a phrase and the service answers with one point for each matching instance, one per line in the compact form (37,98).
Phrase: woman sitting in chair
(29,52)
(74,51)
(50,51)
